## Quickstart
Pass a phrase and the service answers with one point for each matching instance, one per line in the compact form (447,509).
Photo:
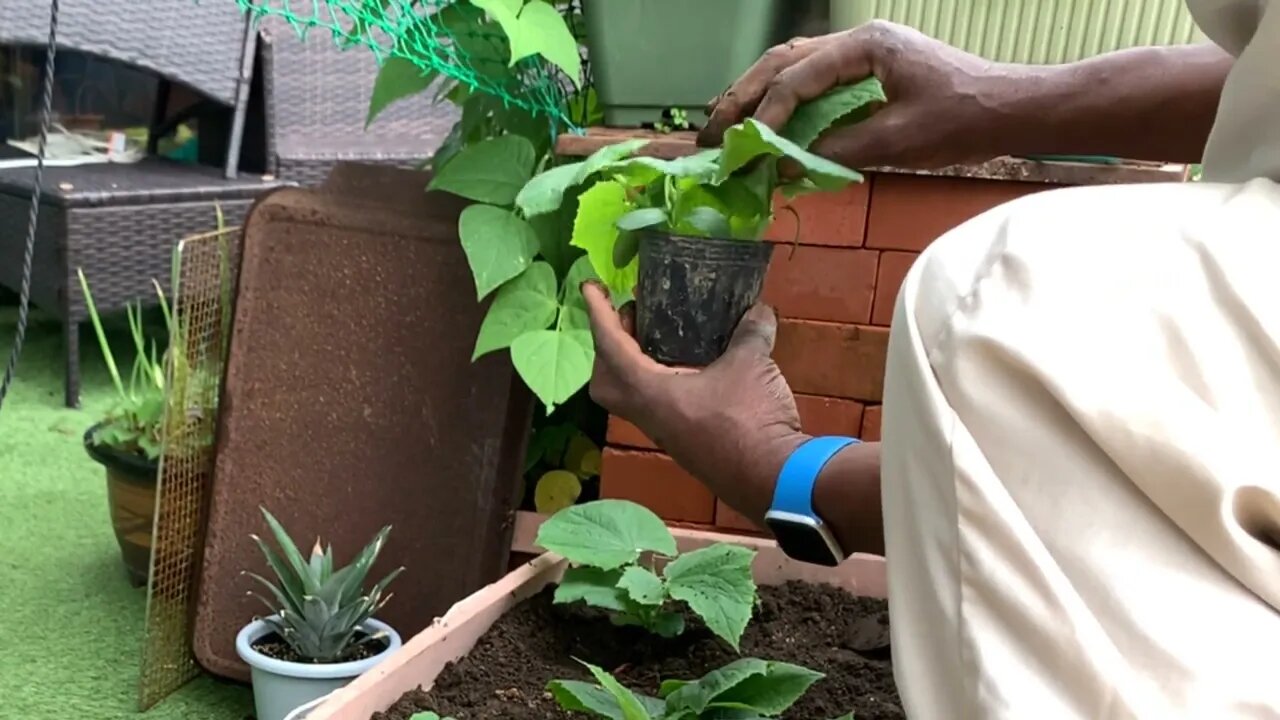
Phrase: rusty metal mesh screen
(204,285)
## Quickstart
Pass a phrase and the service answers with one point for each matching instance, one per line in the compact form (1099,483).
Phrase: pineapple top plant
(319,611)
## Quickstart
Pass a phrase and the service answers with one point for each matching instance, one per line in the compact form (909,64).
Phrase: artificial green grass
(71,624)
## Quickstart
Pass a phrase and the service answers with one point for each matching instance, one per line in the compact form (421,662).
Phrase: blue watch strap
(794,491)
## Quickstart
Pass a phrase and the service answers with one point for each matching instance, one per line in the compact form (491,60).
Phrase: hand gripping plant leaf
(607,540)
(746,689)
(318,610)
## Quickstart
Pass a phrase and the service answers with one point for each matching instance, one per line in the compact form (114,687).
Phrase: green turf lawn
(71,624)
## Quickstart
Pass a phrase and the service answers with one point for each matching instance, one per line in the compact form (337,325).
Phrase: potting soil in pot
(822,628)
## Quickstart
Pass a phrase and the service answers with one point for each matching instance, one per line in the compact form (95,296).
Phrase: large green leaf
(555,364)
(397,79)
(717,584)
(499,245)
(593,586)
(842,106)
(752,139)
(596,231)
(606,534)
(544,193)
(540,30)
(493,171)
(579,697)
(525,303)
(698,695)
(772,692)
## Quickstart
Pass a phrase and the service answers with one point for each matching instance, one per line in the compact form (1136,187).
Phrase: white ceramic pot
(280,687)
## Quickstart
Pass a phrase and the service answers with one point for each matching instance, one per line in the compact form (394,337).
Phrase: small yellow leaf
(556,490)
(582,457)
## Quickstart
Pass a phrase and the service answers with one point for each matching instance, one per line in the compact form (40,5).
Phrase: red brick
(729,519)
(818,416)
(822,283)
(871,424)
(623,434)
(910,211)
(833,360)
(656,482)
(836,219)
(893,270)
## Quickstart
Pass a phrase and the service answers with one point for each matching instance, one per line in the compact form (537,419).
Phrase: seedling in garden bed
(612,545)
(746,689)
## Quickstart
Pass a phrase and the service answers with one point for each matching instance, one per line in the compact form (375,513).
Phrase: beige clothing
(1081,458)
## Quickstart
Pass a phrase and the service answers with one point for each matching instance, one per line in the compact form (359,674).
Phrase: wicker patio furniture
(300,109)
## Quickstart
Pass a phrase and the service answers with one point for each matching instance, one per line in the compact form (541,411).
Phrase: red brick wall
(834,280)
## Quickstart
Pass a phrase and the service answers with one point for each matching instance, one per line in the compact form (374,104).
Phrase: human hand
(727,424)
(944,103)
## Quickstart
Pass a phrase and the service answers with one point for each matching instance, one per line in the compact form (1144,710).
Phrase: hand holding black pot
(731,424)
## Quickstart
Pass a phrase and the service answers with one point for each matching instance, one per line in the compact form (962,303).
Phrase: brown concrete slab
(351,402)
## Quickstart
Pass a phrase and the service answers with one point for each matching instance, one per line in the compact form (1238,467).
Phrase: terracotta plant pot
(281,689)
(451,637)
(131,497)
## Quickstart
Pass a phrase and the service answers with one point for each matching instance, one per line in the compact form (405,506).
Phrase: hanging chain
(24,294)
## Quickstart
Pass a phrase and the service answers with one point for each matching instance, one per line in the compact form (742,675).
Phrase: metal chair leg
(71,339)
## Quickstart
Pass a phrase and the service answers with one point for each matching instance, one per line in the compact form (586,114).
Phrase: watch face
(804,542)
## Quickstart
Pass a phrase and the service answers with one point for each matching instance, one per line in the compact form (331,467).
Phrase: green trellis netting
(442,38)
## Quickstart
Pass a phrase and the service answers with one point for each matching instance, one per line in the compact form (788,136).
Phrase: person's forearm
(846,496)
(1144,104)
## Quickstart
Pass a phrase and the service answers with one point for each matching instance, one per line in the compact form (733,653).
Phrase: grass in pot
(127,440)
(321,632)
(684,237)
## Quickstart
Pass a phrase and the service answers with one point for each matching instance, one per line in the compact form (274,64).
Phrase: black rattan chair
(300,109)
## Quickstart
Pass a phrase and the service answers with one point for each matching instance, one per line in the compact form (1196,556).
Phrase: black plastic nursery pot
(131,497)
(692,292)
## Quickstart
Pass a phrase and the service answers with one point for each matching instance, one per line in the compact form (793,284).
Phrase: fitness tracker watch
(801,534)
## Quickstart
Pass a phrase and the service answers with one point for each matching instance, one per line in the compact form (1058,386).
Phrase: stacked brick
(834,279)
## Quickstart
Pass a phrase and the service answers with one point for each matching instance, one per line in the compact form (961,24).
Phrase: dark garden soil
(274,646)
(505,676)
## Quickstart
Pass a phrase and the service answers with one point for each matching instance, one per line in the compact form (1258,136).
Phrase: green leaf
(839,106)
(576,696)
(608,156)
(527,302)
(642,586)
(541,30)
(499,245)
(633,708)
(553,231)
(596,587)
(642,218)
(668,624)
(545,193)
(505,12)
(581,271)
(709,222)
(752,139)
(772,692)
(697,696)
(716,583)
(493,171)
(397,79)
(700,167)
(555,364)
(596,231)
(606,534)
